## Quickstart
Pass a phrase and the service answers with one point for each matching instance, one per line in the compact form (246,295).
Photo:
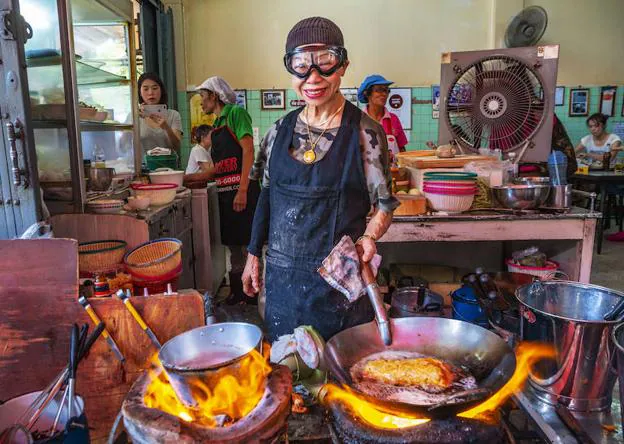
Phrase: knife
(137,317)
(94,317)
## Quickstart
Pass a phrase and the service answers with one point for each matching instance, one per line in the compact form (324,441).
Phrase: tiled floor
(608,267)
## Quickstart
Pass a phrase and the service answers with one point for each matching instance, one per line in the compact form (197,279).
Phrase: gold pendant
(309,156)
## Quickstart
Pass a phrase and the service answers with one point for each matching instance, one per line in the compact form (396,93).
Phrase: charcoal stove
(349,428)
(266,423)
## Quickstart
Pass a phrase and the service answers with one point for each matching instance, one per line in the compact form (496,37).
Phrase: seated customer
(200,160)
(600,141)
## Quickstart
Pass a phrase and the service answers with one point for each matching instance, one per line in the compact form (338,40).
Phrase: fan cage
(497,102)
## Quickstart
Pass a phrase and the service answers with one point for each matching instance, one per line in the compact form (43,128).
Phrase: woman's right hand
(251,276)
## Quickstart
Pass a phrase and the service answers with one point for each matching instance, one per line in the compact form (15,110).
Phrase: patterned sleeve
(374,148)
(260,167)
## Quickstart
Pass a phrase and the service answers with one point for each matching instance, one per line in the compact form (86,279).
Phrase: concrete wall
(243,40)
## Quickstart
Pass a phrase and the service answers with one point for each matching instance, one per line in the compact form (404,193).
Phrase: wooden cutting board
(458,161)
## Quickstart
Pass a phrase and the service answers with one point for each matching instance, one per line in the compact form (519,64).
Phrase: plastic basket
(544,273)
(164,161)
(155,260)
(100,256)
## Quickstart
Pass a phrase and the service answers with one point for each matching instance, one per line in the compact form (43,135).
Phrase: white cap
(220,87)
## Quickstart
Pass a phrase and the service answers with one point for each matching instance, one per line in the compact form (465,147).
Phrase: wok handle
(377,302)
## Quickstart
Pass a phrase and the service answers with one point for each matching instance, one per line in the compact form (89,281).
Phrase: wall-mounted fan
(499,99)
(526,28)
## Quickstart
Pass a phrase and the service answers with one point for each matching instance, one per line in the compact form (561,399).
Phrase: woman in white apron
(374,91)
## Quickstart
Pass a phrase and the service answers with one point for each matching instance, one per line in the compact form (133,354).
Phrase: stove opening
(223,396)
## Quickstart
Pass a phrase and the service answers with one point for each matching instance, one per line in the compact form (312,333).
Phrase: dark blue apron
(311,208)
(227,155)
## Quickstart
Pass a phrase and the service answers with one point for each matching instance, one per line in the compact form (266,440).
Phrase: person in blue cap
(374,91)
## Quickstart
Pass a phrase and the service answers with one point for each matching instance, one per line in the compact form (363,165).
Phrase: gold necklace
(309,155)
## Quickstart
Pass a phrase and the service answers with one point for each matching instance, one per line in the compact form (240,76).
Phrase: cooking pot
(415,301)
(560,196)
(167,175)
(618,340)
(570,316)
(196,353)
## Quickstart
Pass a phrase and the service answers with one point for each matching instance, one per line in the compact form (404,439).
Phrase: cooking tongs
(381,316)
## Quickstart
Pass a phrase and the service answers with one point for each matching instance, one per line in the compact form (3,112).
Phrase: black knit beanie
(314,30)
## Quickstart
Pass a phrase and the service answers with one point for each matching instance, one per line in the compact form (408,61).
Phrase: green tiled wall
(424,127)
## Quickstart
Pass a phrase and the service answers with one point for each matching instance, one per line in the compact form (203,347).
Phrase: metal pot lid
(406,298)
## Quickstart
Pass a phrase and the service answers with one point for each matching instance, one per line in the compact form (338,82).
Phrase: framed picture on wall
(579,102)
(273,98)
(559,95)
(435,98)
(241,97)
(350,94)
(607,100)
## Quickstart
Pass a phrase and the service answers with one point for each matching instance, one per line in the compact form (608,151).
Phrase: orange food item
(415,372)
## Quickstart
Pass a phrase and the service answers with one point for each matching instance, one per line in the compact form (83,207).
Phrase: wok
(483,353)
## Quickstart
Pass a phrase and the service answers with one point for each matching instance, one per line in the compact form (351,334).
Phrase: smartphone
(148,110)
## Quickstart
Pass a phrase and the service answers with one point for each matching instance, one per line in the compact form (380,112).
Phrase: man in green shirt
(233,155)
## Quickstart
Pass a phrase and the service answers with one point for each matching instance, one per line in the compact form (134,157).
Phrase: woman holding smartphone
(158,125)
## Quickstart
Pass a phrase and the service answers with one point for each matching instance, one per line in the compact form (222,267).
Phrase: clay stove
(265,423)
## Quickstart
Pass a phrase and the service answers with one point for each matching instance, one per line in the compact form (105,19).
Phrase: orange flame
(367,410)
(526,355)
(229,393)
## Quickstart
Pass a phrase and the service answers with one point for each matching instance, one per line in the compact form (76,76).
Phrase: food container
(450,201)
(521,196)
(157,260)
(105,206)
(100,179)
(98,256)
(193,355)
(618,340)
(560,196)
(12,411)
(138,203)
(410,205)
(535,180)
(158,194)
(545,273)
(167,175)
(415,301)
(570,316)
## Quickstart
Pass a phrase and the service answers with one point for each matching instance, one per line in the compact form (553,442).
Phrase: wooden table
(550,230)
(602,179)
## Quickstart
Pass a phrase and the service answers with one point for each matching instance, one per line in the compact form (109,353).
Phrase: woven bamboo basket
(155,259)
(101,255)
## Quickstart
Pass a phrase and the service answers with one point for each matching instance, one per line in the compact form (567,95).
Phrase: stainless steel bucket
(195,353)
(569,315)
(618,340)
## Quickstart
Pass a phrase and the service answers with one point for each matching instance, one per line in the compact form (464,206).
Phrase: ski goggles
(300,62)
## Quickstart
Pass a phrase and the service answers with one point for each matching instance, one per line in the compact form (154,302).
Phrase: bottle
(606,161)
(99,158)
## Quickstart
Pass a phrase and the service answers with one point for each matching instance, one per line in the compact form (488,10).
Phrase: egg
(414,192)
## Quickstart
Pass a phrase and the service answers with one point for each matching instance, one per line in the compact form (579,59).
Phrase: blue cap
(369,81)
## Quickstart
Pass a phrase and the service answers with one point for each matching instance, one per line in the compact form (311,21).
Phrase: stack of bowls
(451,192)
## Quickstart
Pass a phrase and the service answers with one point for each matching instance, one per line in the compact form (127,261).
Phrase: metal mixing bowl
(532,180)
(521,196)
